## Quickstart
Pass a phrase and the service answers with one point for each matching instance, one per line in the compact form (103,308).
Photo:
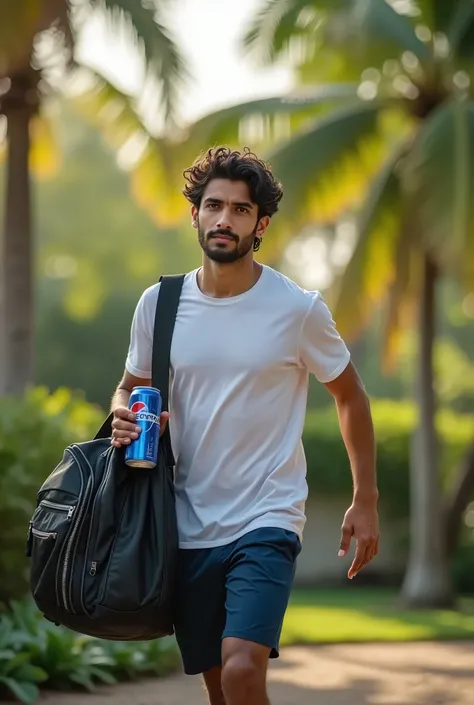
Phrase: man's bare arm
(355,420)
(125,387)
(357,430)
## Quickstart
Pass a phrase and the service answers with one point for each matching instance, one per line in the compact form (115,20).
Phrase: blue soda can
(146,403)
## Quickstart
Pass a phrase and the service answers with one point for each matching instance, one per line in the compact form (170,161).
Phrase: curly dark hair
(223,163)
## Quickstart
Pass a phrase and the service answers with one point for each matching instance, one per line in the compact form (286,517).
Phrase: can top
(146,389)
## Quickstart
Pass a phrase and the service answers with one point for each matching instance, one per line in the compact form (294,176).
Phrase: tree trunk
(461,495)
(16,258)
(427,581)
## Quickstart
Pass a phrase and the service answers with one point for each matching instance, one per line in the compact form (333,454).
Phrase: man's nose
(224,220)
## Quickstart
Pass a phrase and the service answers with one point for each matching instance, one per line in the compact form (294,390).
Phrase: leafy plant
(151,658)
(18,675)
(33,651)
(66,657)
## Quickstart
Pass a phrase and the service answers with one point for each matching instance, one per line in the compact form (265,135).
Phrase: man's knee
(244,669)
(241,673)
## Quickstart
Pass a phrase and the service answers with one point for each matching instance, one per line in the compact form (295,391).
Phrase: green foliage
(463,560)
(34,651)
(354,614)
(33,434)
(395,423)
(18,676)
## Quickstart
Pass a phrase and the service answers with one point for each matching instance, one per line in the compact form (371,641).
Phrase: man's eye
(241,209)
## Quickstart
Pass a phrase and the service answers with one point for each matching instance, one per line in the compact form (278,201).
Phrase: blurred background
(365,111)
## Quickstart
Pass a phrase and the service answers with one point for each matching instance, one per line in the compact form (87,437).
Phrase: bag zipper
(81,507)
(76,530)
(43,534)
(59,507)
(93,565)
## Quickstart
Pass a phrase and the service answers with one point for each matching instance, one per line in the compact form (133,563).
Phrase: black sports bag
(103,539)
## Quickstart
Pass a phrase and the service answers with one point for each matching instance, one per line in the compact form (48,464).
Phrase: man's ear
(195,216)
(262,225)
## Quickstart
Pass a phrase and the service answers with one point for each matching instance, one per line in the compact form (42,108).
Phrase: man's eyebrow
(242,204)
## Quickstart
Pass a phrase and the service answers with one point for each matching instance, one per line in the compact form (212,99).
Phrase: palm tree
(37,43)
(401,155)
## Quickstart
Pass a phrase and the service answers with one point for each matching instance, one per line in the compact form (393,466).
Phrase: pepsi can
(146,404)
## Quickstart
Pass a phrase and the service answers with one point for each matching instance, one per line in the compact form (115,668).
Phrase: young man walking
(245,341)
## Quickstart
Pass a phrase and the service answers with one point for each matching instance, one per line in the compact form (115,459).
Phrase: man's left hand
(361,521)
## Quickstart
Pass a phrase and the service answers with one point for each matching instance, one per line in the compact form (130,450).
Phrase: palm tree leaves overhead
(441,179)
(461,30)
(436,14)
(277,22)
(326,165)
(109,108)
(371,269)
(352,24)
(163,59)
(268,119)
(23,23)
(378,22)
(442,16)
(29,20)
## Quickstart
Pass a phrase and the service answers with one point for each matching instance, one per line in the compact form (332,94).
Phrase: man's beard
(225,254)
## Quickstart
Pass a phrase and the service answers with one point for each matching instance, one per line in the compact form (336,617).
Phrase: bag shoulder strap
(165,318)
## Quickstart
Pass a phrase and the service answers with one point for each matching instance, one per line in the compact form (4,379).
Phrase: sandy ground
(359,674)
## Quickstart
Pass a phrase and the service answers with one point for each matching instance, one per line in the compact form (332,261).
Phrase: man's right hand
(124,427)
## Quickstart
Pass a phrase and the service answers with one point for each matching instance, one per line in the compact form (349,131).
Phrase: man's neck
(226,280)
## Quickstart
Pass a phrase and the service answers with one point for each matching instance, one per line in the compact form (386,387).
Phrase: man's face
(227,221)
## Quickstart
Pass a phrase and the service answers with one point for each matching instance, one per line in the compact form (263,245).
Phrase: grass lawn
(365,614)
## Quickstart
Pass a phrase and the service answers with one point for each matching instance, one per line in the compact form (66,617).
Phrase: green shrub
(33,434)
(328,464)
(35,652)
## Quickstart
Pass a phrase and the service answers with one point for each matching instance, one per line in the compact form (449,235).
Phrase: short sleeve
(321,349)
(139,356)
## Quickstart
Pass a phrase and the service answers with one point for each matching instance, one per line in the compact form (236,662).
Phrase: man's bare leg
(244,672)
(213,681)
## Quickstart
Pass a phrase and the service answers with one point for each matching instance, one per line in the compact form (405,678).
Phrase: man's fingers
(359,558)
(121,412)
(122,435)
(366,550)
(346,535)
(124,431)
(128,426)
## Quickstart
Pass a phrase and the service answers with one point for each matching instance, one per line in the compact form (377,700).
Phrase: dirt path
(359,674)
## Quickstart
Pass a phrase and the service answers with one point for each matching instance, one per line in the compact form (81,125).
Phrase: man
(245,341)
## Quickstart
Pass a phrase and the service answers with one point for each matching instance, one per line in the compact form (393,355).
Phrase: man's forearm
(120,398)
(355,420)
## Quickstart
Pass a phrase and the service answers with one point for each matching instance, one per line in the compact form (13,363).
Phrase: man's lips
(223,238)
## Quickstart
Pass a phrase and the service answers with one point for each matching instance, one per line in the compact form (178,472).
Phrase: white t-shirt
(239,382)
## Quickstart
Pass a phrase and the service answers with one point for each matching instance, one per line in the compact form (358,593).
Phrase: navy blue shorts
(238,590)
